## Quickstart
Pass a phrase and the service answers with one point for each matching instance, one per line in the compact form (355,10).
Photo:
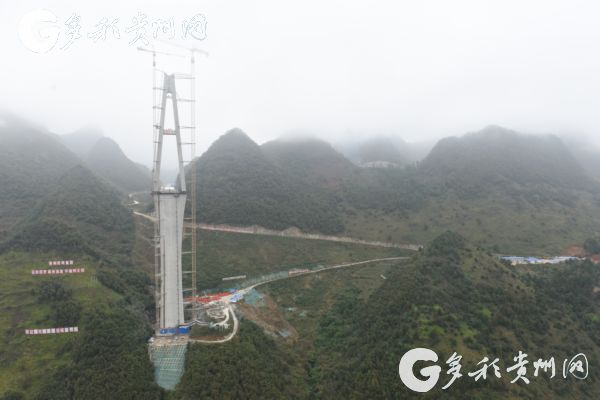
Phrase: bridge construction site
(180,311)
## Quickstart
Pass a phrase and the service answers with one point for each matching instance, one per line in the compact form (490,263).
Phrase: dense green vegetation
(313,161)
(520,193)
(108,357)
(457,298)
(57,209)
(66,311)
(238,184)
(81,215)
(31,163)
(109,360)
(354,326)
(251,367)
(505,159)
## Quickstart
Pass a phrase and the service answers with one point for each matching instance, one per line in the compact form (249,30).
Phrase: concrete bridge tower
(169,205)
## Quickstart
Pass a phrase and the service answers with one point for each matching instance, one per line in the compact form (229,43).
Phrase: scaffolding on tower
(186,105)
(174,242)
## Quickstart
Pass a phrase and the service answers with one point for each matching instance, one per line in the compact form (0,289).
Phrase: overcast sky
(418,69)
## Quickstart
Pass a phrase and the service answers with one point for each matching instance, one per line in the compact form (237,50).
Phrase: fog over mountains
(380,189)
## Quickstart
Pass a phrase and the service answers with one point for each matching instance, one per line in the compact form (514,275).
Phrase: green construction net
(168,360)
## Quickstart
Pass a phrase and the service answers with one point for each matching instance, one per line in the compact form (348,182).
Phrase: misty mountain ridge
(312,160)
(31,164)
(306,184)
(82,140)
(239,184)
(35,165)
(587,154)
(108,160)
(104,157)
(384,149)
(499,156)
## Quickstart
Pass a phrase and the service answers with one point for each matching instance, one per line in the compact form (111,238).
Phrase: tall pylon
(174,257)
(169,203)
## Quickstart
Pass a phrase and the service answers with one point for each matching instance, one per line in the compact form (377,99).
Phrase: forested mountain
(499,188)
(81,214)
(453,297)
(239,184)
(50,201)
(31,164)
(107,160)
(54,208)
(503,158)
(493,186)
(312,160)
(458,298)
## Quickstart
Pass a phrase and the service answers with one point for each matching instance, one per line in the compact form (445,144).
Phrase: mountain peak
(108,160)
(496,155)
(237,134)
(82,140)
(231,145)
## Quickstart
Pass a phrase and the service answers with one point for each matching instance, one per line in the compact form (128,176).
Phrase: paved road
(262,231)
(248,288)
(293,233)
(346,265)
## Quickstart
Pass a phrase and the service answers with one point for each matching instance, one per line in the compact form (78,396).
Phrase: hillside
(104,360)
(81,214)
(107,160)
(504,190)
(587,155)
(389,148)
(79,218)
(383,149)
(353,326)
(498,157)
(239,184)
(31,163)
(312,160)
(457,298)
(81,141)
(454,297)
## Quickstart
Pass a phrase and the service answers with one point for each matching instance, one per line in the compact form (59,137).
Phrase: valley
(339,269)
